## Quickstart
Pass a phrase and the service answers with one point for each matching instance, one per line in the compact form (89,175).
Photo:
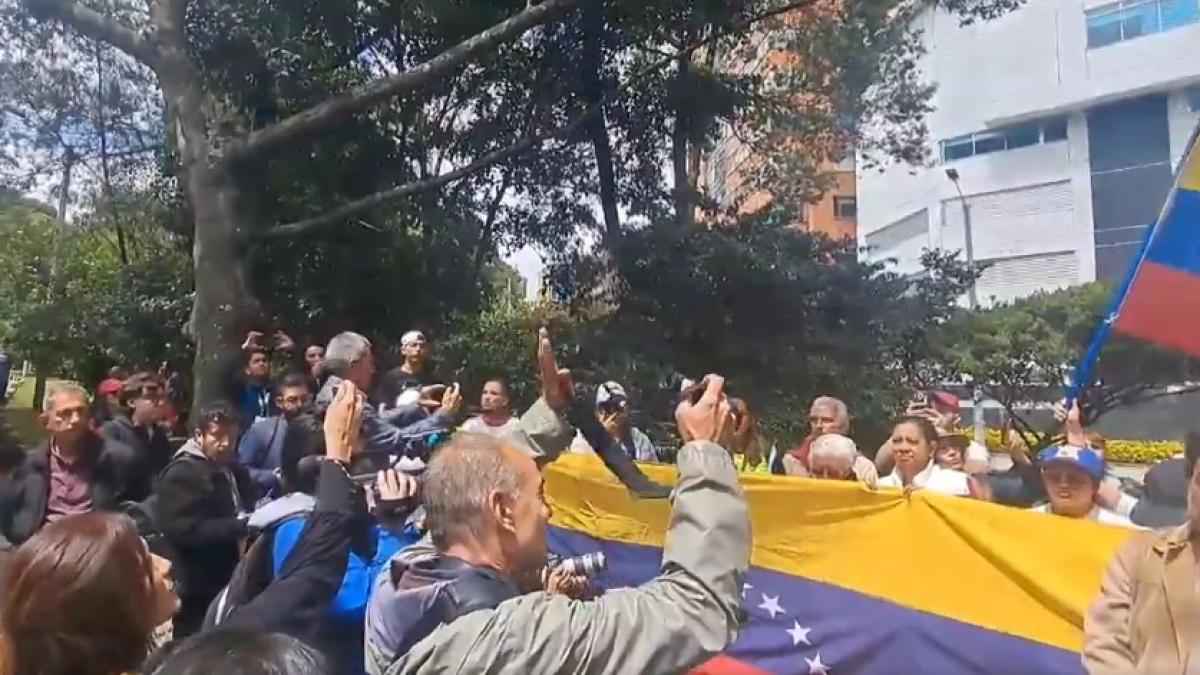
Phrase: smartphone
(920,400)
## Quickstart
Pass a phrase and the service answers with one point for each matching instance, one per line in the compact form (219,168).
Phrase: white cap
(411,337)
(608,391)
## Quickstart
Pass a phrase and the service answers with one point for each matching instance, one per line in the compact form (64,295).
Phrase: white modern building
(1063,122)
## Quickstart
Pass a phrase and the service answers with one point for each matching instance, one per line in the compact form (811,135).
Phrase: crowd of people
(329,518)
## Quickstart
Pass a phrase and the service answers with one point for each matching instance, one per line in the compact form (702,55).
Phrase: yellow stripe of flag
(1009,570)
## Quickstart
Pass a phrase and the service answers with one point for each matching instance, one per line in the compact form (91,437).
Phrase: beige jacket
(542,433)
(1148,614)
(686,615)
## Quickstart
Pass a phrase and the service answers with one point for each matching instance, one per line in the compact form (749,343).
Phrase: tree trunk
(105,176)
(697,132)
(597,127)
(679,143)
(39,387)
(222,306)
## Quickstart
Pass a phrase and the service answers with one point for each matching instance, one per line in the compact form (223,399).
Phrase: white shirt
(1098,514)
(478,426)
(932,478)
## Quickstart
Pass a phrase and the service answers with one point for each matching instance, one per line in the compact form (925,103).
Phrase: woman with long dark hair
(83,597)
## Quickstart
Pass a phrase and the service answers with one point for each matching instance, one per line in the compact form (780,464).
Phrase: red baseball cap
(110,386)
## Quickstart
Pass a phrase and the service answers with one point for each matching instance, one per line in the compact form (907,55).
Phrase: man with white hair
(827,415)
(469,606)
(350,356)
(74,471)
(832,457)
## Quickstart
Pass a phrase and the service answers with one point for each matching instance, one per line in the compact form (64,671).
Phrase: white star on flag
(799,634)
(745,587)
(815,667)
(770,604)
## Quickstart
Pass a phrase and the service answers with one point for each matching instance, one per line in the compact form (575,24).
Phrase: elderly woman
(914,441)
(832,457)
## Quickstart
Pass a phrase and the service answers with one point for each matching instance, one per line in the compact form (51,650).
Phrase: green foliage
(500,341)
(72,308)
(1024,350)
(785,315)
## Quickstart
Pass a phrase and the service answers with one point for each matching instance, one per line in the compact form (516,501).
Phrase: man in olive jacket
(484,497)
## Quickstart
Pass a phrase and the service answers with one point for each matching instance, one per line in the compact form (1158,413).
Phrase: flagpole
(1082,373)
(1083,370)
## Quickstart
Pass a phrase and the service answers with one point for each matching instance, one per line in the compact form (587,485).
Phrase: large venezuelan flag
(1162,303)
(845,580)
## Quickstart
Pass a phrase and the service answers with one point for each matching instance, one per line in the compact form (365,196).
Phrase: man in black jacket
(137,424)
(74,471)
(203,501)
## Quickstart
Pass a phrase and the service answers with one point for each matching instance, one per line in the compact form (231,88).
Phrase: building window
(1129,19)
(1192,95)
(1049,130)
(845,208)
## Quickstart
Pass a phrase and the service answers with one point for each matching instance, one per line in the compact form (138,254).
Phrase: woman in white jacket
(914,441)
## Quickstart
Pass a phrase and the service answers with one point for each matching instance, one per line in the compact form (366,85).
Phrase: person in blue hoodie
(382,530)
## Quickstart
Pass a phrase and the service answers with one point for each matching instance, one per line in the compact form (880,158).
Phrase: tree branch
(96,26)
(351,103)
(371,201)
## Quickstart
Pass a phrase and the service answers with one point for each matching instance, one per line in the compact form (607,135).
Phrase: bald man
(468,607)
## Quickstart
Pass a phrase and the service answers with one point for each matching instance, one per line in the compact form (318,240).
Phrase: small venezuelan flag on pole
(1159,301)
(1162,304)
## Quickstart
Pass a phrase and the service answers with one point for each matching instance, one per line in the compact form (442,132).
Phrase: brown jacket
(1148,614)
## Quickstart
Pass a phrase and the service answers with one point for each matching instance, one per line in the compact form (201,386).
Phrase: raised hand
(710,417)
(1074,426)
(431,396)
(343,422)
(283,342)
(252,341)
(556,385)
(611,423)
(452,399)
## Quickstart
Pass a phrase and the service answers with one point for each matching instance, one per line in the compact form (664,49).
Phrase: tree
(785,315)
(456,128)
(1022,352)
(73,308)
(212,157)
